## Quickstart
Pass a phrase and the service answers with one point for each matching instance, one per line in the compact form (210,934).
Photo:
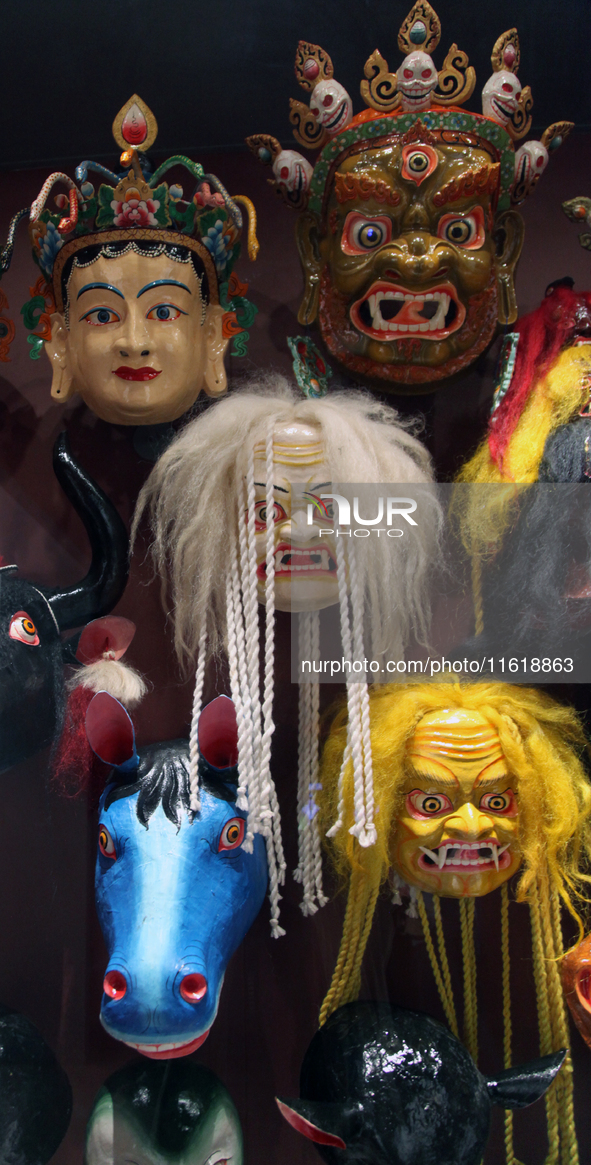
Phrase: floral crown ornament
(135,206)
(417,93)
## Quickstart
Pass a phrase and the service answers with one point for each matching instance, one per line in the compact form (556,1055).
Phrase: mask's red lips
(168,1051)
(126,373)
(389,311)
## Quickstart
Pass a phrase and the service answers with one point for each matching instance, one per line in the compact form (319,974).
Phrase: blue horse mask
(175,897)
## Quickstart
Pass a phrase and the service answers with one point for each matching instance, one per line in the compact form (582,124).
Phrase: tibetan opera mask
(137,302)
(407,236)
(457,832)
(305,557)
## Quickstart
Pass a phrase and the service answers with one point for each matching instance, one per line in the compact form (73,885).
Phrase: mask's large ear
(216,381)
(217,734)
(308,242)
(56,348)
(110,732)
(518,1087)
(508,233)
(320,1122)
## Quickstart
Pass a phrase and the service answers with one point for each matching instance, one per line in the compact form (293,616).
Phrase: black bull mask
(33,617)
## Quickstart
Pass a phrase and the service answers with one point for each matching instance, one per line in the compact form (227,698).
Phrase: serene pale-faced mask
(303,556)
(138,341)
(137,296)
(458,830)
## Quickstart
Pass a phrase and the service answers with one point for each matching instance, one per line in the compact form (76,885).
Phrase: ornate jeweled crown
(136,206)
(416,92)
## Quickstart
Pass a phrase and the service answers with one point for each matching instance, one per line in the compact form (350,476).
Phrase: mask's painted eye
(99,316)
(232,834)
(165,312)
(260,519)
(106,844)
(466,231)
(499,802)
(417,162)
(421,804)
(362,234)
(22,628)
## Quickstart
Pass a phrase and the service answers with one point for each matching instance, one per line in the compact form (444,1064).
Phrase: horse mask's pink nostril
(114,985)
(193,988)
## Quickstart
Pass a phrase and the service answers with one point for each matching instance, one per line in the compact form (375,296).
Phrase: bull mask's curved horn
(101,588)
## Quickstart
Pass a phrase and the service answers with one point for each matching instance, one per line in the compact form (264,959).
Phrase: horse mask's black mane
(162,777)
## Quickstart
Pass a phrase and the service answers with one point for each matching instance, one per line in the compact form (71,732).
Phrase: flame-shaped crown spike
(312,64)
(506,54)
(421,30)
(135,127)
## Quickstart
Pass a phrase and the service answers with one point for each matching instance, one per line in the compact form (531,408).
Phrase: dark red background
(53,957)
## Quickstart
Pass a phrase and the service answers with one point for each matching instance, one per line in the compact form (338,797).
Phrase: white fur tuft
(110,675)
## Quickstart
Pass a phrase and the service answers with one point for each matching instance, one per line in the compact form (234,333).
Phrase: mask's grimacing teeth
(468,855)
(398,311)
(292,559)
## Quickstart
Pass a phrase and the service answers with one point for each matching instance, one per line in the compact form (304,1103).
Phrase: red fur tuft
(75,769)
(554,325)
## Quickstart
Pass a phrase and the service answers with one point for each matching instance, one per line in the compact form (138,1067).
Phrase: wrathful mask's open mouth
(388,312)
(316,562)
(465,857)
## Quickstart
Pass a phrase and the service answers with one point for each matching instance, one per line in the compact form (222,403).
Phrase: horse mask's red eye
(106,844)
(232,834)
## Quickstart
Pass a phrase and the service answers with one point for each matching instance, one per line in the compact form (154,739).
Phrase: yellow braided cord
(477,595)
(443,960)
(472,995)
(361,902)
(253,243)
(447,1000)
(544,1025)
(552,931)
(507,1033)
(570,1135)
(470,1022)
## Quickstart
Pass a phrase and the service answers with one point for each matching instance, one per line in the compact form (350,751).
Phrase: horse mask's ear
(104,638)
(110,732)
(521,1086)
(218,734)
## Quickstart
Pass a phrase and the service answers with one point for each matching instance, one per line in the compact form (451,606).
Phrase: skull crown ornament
(407,231)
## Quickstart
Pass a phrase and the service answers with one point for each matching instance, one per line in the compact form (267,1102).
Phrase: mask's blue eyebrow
(100,286)
(163,283)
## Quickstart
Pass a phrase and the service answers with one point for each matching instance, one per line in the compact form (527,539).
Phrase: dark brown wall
(53,958)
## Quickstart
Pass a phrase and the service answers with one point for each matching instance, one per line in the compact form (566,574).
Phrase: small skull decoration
(531,160)
(500,97)
(331,105)
(417,78)
(292,171)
